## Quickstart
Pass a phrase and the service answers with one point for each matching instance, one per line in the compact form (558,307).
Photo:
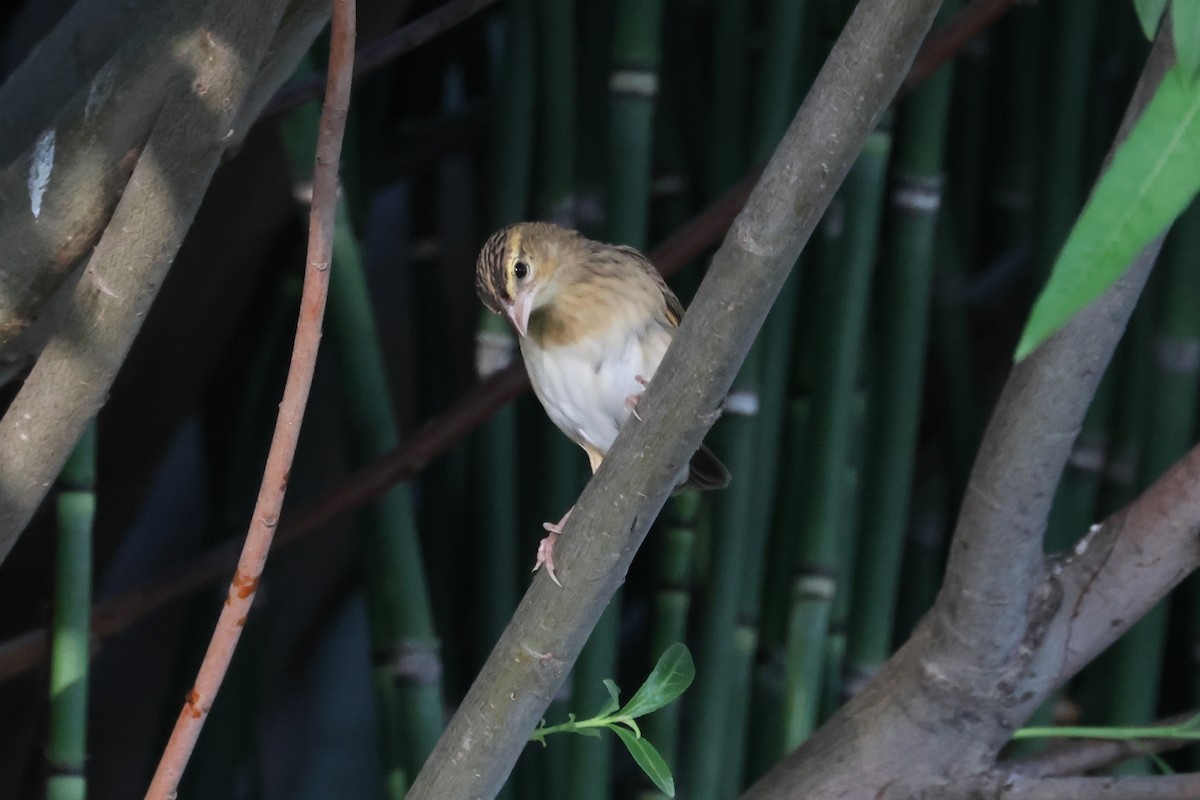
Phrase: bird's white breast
(584,385)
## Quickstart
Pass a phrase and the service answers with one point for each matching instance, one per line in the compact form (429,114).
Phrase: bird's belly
(584,387)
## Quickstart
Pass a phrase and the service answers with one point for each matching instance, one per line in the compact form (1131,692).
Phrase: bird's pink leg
(545,551)
(631,401)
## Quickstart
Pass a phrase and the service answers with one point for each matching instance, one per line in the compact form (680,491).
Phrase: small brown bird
(594,321)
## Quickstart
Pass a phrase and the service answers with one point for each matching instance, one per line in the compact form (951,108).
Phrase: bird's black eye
(521,270)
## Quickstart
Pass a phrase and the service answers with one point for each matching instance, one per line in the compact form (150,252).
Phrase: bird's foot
(545,551)
(631,401)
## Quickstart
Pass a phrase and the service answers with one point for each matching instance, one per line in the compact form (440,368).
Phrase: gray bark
(86,152)
(64,62)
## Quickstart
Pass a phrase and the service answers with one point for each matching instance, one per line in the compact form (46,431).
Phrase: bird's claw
(631,402)
(545,551)
(545,554)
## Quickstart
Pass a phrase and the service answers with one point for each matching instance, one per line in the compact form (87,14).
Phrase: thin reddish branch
(291,413)
(383,51)
(439,434)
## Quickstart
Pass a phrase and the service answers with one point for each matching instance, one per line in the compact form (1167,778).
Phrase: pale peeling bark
(56,197)
(217,63)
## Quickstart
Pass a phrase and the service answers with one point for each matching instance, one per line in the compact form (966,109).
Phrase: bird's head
(514,275)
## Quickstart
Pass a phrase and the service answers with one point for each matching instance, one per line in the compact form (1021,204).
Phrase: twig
(1077,756)
(383,51)
(291,412)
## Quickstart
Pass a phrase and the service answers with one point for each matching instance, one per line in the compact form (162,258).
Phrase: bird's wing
(674,308)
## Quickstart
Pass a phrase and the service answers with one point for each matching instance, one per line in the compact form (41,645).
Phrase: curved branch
(858,81)
(986,655)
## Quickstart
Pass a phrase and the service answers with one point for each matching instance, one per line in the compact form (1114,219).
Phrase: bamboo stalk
(905,281)
(822,526)
(66,750)
(405,659)
(633,87)
(1073,27)
(735,440)
(673,602)
(556,73)
(727,133)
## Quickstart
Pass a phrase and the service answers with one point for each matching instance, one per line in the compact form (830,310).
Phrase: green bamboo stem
(822,524)
(495,462)
(924,551)
(589,761)
(1177,358)
(804,666)
(556,73)
(777,588)
(672,603)
(1133,666)
(741,670)
(734,439)
(727,156)
(66,750)
(833,683)
(905,284)
(1062,184)
(594,33)
(633,86)
(404,645)
(1020,44)
(783,29)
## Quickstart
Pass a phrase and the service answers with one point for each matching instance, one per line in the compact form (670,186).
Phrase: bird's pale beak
(518,312)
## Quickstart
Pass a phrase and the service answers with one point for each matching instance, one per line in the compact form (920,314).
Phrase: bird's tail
(706,472)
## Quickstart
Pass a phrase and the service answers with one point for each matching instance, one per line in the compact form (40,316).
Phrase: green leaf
(1149,12)
(649,760)
(614,699)
(1185,16)
(671,676)
(1153,176)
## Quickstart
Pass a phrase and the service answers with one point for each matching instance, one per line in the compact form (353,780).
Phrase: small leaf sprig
(671,676)
(1188,730)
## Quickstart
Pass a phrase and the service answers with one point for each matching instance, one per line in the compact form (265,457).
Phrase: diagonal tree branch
(614,513)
